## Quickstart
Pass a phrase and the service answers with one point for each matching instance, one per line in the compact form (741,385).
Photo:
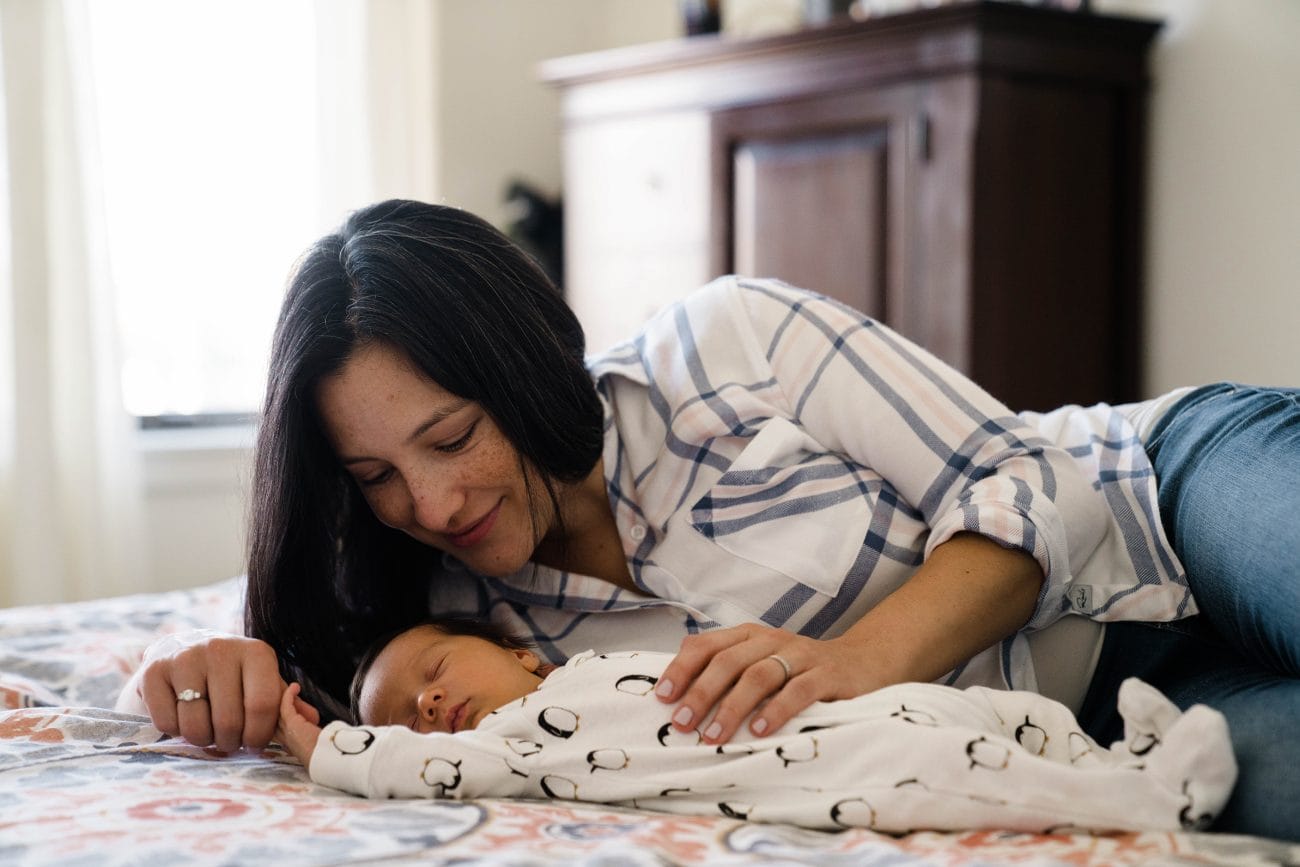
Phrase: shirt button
(637,532)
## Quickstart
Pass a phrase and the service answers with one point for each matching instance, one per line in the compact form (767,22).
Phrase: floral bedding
(82,784)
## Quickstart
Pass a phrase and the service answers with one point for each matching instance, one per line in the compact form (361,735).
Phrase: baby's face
(430,681)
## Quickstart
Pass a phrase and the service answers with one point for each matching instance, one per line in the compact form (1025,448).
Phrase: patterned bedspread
(81,784)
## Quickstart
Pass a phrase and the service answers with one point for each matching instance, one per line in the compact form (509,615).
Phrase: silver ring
(189,695)
(785,667)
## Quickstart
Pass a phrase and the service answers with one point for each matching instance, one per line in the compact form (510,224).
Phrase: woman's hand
(299,727)
(968,595)
(734,670)
(237,681)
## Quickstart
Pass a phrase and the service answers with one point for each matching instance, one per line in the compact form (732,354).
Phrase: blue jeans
(1227,460)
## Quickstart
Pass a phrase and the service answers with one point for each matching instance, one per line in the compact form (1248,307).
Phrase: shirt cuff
(1016,530)
(343,757)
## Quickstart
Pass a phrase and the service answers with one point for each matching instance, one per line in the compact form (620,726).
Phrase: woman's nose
(435,505)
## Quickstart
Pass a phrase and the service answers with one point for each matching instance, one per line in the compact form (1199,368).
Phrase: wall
(497,121)
(1223,273)
(196,485)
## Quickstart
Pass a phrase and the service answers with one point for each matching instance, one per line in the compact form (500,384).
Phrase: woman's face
(429,463)
(430,681)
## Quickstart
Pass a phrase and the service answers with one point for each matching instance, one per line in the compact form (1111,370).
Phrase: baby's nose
(429,700)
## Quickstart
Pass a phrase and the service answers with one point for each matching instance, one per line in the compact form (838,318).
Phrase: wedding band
(189,695)
(785,667)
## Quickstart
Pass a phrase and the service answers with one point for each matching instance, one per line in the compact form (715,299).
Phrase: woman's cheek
(387,508)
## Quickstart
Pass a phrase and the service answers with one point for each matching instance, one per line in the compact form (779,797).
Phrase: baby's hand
(298,730)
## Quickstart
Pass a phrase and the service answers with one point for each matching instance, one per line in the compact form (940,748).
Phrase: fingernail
(713,730)
(665,688)
(759,726)
(683,716)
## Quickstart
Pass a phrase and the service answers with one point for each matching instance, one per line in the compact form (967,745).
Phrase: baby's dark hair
(483,629)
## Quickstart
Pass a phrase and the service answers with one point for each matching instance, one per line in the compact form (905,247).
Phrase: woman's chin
(491,565)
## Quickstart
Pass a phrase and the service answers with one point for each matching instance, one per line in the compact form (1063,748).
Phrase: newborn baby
(453,710)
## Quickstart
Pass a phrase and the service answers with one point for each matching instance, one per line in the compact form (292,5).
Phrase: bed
(82,784)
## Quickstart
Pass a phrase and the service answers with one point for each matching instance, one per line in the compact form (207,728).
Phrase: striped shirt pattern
(773,456)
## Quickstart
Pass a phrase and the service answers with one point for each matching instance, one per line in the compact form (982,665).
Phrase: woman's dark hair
(484,629)
(480,318)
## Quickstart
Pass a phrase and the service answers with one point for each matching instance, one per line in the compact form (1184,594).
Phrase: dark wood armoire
(970,174)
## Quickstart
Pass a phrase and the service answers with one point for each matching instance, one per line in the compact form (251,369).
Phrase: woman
(818,506)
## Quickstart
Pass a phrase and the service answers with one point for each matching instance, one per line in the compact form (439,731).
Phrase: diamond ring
(188,695)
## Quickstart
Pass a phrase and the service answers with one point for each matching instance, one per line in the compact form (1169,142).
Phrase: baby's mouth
(456,719)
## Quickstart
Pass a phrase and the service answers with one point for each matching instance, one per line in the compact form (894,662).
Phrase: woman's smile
(474,534)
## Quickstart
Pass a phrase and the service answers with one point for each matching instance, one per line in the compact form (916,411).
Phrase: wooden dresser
(970,174)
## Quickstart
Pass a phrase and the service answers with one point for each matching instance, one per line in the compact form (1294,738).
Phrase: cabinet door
(637,199)
(813,210)
(817,193)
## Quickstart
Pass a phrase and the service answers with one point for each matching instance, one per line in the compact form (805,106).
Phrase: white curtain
(70,486)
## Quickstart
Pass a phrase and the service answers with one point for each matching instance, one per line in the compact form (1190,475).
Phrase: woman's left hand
(733,670)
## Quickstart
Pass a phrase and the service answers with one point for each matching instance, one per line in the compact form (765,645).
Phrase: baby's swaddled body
(907,757)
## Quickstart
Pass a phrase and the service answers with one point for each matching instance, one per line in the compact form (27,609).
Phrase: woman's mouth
(475,532)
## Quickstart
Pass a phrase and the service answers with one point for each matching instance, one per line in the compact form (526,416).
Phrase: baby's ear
(528,659)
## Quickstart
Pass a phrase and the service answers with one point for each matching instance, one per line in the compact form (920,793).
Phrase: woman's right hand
(237,678)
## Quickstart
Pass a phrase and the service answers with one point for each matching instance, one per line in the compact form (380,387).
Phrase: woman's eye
(460,443)
(376,479)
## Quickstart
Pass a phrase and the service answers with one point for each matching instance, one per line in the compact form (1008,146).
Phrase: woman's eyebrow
(436,416)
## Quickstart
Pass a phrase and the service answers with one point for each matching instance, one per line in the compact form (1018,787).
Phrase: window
(208,139)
